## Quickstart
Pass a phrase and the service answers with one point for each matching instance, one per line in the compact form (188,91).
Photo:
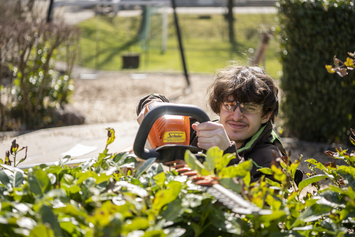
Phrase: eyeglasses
(245,108)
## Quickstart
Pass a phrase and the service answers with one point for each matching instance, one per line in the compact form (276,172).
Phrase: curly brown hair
(246,84)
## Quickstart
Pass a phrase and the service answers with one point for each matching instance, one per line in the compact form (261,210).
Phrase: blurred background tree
(318,106)
(31,90)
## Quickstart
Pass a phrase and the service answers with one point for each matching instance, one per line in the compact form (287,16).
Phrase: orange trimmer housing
(168,129)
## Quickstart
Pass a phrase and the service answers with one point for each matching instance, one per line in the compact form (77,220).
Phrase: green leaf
(18,179)
(154,233)
(195,164)
(230,184)
(318,165)
(310,180)
(138,223)
(124,159)
(11,168)
(42,230)
(293,167)
(279,175)
(241,170)
(173,210)
(265,170)
(192,200)
(175,232)
(347,192)
(273,183)
(312,213)
(348,173)
(144,167)
(131,188)
(276,215)
(48,216)
(163,197)
(222,163)
(213,155)
(4,178)
(39,182)
(225,221)
(159,179)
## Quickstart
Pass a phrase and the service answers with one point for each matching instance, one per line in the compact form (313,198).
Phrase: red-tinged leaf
(352,140)
(330,153)
(7,158)
(336,61)
(110,136)
(330,164)
(24,158)
(341,71)
(14,147)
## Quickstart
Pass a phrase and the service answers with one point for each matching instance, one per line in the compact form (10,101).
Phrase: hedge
(318,106)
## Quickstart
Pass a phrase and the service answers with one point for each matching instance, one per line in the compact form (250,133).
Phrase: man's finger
(207,126)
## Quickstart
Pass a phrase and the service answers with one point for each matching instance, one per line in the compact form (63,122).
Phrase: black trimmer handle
(153,115)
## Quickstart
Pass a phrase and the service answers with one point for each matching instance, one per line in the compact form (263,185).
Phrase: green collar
(251,142)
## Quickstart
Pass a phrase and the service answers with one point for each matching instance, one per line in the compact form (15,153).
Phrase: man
(246,100)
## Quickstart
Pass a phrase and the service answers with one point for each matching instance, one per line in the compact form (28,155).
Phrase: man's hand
(211,134)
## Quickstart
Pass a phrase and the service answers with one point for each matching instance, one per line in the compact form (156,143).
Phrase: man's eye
(250,108)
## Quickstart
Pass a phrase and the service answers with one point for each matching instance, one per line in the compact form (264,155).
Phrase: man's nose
(237,114)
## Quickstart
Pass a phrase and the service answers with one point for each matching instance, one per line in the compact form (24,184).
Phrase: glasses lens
(252,108)
(229,106)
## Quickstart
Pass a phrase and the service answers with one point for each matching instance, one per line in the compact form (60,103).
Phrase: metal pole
(50,10)
(180,42)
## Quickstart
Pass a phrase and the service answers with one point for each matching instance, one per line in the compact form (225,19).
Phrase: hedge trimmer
(157,123)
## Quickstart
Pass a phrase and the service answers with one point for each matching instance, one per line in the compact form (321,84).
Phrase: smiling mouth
(237,125)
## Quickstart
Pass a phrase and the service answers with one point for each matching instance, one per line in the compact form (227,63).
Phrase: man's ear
(266,117)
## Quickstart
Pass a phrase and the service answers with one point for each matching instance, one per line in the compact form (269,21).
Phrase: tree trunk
(230,19)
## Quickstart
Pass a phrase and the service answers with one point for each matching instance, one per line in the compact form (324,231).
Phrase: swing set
(143,30)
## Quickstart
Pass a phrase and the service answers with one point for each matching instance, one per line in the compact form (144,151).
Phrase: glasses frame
(241,106)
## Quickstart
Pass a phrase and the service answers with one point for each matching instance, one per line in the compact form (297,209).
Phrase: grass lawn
(206,46)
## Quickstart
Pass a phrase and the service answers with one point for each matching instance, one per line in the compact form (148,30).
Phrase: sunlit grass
(206,45)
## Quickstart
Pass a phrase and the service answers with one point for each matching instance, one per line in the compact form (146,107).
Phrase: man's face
(241,126)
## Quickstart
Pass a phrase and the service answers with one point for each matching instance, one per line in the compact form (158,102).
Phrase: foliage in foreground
(106,196)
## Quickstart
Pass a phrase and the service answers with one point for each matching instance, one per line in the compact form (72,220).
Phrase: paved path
(49,145)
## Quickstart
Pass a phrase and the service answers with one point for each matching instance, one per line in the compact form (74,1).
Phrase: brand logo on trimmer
(174,136)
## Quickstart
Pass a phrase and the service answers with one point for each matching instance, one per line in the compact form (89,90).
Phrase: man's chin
(236,136)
